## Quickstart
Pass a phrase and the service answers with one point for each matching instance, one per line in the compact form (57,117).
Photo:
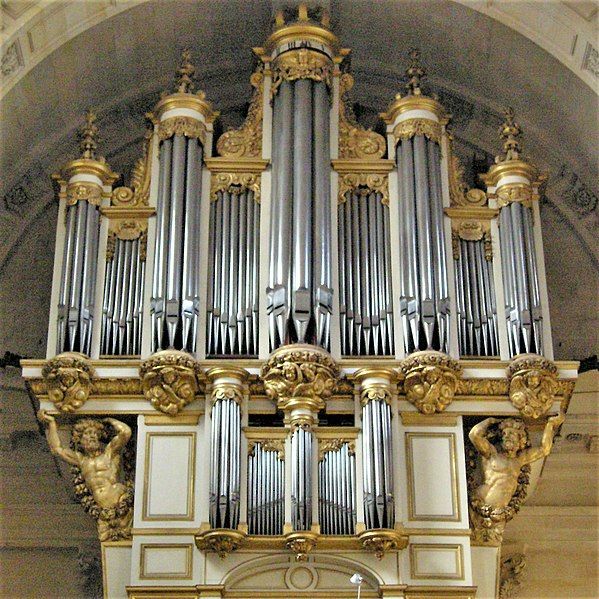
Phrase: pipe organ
(319,336)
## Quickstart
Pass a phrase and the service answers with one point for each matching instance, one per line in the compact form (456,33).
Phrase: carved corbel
(301,543)
(170,380)
(300,379)
(382,540)
(220,540)
(431,380)
(68,379)
(533,385)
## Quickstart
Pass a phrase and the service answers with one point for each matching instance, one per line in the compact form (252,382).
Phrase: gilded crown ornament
(169,380)
(533,385)
(431,380)
(68,379)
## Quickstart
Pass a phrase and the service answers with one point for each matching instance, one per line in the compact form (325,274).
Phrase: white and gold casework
(314,354)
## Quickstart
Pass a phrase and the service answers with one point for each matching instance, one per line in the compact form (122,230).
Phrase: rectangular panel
(169,476)
(173,560)
(432,561)
(433,492)
(116,568)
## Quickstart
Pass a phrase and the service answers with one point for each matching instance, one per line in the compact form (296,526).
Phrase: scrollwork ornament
(68,379)
(84,191)
(375,393)
(169,380)
(533,385)
(246,141)
(515,192)
(224,392)
(364,183)
(276,445)
(182,125)
(235,183)
(431,380)
(301,543)
(411,127)
(221,541)
(354,140)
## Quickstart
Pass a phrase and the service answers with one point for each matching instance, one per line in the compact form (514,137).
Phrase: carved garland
(411,127)
(301,64)
(364,183)
(327,445)
(182,125)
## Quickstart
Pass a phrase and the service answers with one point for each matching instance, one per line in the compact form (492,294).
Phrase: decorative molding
(235,183)
(182,125)
(302,63)
(409,128)
(327,445)
(219,540)
(12,60)
(383,540)
(301,543)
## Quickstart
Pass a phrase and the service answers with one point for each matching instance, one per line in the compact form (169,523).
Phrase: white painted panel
(437,561)
(432,482)
(485,565)
(166,561)
(169,470)
(116,569)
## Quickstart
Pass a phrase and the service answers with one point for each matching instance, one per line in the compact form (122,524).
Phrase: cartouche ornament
(431,380)
(68,380)
(169,380)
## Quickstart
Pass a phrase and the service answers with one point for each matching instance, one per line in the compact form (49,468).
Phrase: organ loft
(301,351)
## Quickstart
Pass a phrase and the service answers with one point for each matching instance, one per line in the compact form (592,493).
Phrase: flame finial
(415,73)
(88,136)
(511,132)
(185,73)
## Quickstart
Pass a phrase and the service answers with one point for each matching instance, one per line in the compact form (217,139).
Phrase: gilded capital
(533,385)
(431,380)
(376,384)
(169,380)
(68,380)
(227,383)
(300,378)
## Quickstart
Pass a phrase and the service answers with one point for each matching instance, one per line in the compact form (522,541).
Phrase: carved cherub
(99,461)
(501,465)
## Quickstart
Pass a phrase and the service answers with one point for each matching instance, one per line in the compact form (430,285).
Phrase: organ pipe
(233,274)
(366,306)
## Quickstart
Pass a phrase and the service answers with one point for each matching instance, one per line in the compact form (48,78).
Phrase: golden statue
(98,459)
(504,453)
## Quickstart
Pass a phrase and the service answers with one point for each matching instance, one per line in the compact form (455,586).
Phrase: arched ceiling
(117,57)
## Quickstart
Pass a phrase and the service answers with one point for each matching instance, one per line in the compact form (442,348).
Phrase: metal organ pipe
(299,293)
(520,279)
(336,474)
(365,271)
(424,287)
(76,298)
(175,290)
(233,274)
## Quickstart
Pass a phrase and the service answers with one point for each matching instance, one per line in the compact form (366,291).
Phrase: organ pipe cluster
(248,264)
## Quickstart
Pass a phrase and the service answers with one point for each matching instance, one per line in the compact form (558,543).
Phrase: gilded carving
(515,192)
(300,377)
(68,380)
(482,387)
(301,543)
(411,127)
(302,63)
(533,385)
(497,484)
(511,573)
(224,391)
(221,541)
(139,192)
(84,191)
(459,193)
(327,445)
(169,380)
(376,392)
(382,541)
(364,183)
(98,447)
(430,380)
(354,140)
(277,445)
(235,183)
(182,125)
(246,141)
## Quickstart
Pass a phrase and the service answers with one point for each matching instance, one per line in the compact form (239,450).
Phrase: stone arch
(318,576)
